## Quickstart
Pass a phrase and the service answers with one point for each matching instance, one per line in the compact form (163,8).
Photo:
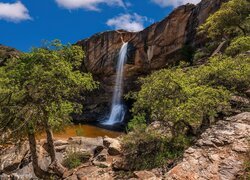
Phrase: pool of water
(82,130)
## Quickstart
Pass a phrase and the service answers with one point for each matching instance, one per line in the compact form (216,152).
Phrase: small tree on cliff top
(36,93)
(232,19)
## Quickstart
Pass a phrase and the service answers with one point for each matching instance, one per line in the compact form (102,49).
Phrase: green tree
(38,92)
(231,73)
(177,99)
(238,45)
(190,97)
(230,20)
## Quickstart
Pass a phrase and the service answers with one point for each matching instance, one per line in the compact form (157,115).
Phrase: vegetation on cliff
(36,94)
(186,100)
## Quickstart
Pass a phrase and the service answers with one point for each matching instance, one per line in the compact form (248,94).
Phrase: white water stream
(117,110)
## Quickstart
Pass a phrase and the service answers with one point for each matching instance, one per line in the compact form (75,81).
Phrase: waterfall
(117,110)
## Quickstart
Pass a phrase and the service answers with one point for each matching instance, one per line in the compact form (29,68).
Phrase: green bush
(147,149)
(221,70)
(138,122)
(75,159)
(177,98)
(238,45)
(199,55)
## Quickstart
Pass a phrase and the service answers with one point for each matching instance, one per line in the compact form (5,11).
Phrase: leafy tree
(221,70)
(232,18)
(174,97)
(238,45)
(38,92)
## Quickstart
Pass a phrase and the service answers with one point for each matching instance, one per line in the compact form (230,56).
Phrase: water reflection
(82,130)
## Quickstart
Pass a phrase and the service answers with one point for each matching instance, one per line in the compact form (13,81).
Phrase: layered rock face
(154,48)
(219,154)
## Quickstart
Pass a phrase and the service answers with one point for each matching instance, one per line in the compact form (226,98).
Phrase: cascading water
(117,110)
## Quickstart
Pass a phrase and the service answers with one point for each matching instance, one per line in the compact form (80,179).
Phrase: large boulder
(141,175)
(113,145)
(85,143)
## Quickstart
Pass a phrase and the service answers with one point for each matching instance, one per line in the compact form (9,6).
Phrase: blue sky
(26,23)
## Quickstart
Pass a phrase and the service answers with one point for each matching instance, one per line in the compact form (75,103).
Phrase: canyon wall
(158,46)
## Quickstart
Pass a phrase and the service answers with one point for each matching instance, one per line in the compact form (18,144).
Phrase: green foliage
(40,86)
(138,122)
(75,159)
(230,20)
(199,55)
(147,149)
(239,45)
(205,51)
(184,99)
(231,73)
(172,95)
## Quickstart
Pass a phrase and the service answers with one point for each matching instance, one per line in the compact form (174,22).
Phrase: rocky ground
(218,154)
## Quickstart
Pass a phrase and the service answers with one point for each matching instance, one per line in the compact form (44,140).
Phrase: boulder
(86,144)
(114,149)
(101,164)
(107,141)
(143,175)
(98,150)
(60,142)
(102,156)
(119,164)
(113,145)
(248,93)
(12,157)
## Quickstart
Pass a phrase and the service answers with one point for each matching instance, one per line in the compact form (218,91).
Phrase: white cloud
(174,3)
(130,22)
(14,12)
(88,4)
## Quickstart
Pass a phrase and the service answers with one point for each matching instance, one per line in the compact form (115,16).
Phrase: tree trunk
(55,166)
(37,170)
(204,124)
(50,142)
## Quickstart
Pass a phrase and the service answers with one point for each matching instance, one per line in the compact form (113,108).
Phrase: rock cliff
(156,47)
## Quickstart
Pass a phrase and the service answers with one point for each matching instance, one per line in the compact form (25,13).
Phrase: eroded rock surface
(15,161)
(219,154)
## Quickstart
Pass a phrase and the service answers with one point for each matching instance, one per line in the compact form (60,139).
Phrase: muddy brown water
(82,130)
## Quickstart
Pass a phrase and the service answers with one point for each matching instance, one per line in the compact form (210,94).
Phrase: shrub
(147,149)
(138,122)
(238,45)
(231,73)
(199,55)
(75,159)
